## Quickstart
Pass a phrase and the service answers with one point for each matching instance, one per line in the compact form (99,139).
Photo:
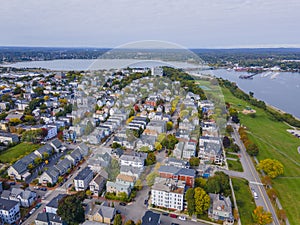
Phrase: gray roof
(7,204)
(83,174)
(48,217)
(151,218)
(57,143)
(52,172)
(29,158)
(46,148)
(5,194)
(54,202)
(107,212)
(177,171)
(20,167)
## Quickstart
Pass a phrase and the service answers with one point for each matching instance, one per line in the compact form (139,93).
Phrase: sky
(189,23)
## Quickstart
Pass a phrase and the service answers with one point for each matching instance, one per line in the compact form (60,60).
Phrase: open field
(275,142)
(235,165)
(244,200)
(14,153)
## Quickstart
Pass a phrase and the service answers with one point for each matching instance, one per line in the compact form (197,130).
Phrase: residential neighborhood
(116,138)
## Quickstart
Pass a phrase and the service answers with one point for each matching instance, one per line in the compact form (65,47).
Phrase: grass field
(275,142)
(233,156)
(235,165)
(244,200)
(14,153)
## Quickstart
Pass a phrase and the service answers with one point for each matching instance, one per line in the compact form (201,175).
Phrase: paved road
(252,176)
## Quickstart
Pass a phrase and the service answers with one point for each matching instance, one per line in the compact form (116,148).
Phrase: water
(281,90)
(278,89)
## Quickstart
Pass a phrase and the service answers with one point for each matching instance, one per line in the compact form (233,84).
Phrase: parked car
(181,217)
(174,224)
(255,195)
(43,189)
(122,204)
(146,201)
(165,214)
(173,215)
(32,211)
(38,205)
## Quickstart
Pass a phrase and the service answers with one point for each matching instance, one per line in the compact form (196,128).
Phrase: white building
(157,71)
(132,160)
(82,180)
(9,211)
(168,193)
(52,132)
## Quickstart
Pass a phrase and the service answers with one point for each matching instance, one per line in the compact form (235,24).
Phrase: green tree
(118,220)
(252,149)
(189,196)
(202,201)
(272,167)
(261,217)
(157,146)
(219,183)
(70,209)
(151,178)
(151,159)
(200,182)
(37,160)
(116,145)
(194,161)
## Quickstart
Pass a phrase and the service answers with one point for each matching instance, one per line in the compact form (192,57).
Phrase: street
(252,176)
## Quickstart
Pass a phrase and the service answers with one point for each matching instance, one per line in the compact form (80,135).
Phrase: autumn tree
(272,167)
(200,182)
(266,180)
(202,201)
(281,215)
(118,220)
(272,193)
(129,222)
(261,217)
(169,125)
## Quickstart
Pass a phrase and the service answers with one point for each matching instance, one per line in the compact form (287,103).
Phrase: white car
(181,217)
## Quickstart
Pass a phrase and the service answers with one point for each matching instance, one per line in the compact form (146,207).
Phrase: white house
(83,178)
(168,193)
(9,211)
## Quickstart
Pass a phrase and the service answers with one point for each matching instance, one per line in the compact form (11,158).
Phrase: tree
(189,196)
(194,161)
(261,217)
(200,182)
(266,180)
(202,201)
(14,121)
(229,129)
(157,146)
(70,208)
(235,119)
(129,222)
(118,220)
(272,193)
(226,142)
(88,128)
(151,159)
(169,125)
(39,90)
(252,149)
(281,215)
(151,178)
(219,183)
(116,145)
(37,160)
(271,167)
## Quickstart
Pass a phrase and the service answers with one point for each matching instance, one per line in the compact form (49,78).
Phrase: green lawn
(275,142)
(18,151)
(244,200)
(233,156)
(235,165)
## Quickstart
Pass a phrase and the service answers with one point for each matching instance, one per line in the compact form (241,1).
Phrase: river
(281,90)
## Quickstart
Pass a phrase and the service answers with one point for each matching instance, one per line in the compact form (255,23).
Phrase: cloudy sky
(190,23)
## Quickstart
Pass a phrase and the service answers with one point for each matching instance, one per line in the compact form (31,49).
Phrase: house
(6,137)
(9,211)
(52,206)
(45,218)
(57,145)
(126,180)
(132,160)
(49,176)
(185,150)
(25,197)
(84,149)
(220,208)
(114,187)
(131,171)
(211,152)
(63,166)
(146,141)
(52,131)
(14,116)
(83,178)
(97,184)
(158,126)
(100,158)
(177,163)
(183,174)
(100,213)
(18,171)
(75,157)
(44,150)
(168,193)
(151,218)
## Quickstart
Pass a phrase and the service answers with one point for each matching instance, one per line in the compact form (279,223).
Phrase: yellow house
(101,213)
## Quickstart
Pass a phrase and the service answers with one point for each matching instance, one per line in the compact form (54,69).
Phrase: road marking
(253,182)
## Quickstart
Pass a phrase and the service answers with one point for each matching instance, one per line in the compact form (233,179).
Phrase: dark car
(122,204)
(146,201)
(174,224)
(165,214)
(43,189)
